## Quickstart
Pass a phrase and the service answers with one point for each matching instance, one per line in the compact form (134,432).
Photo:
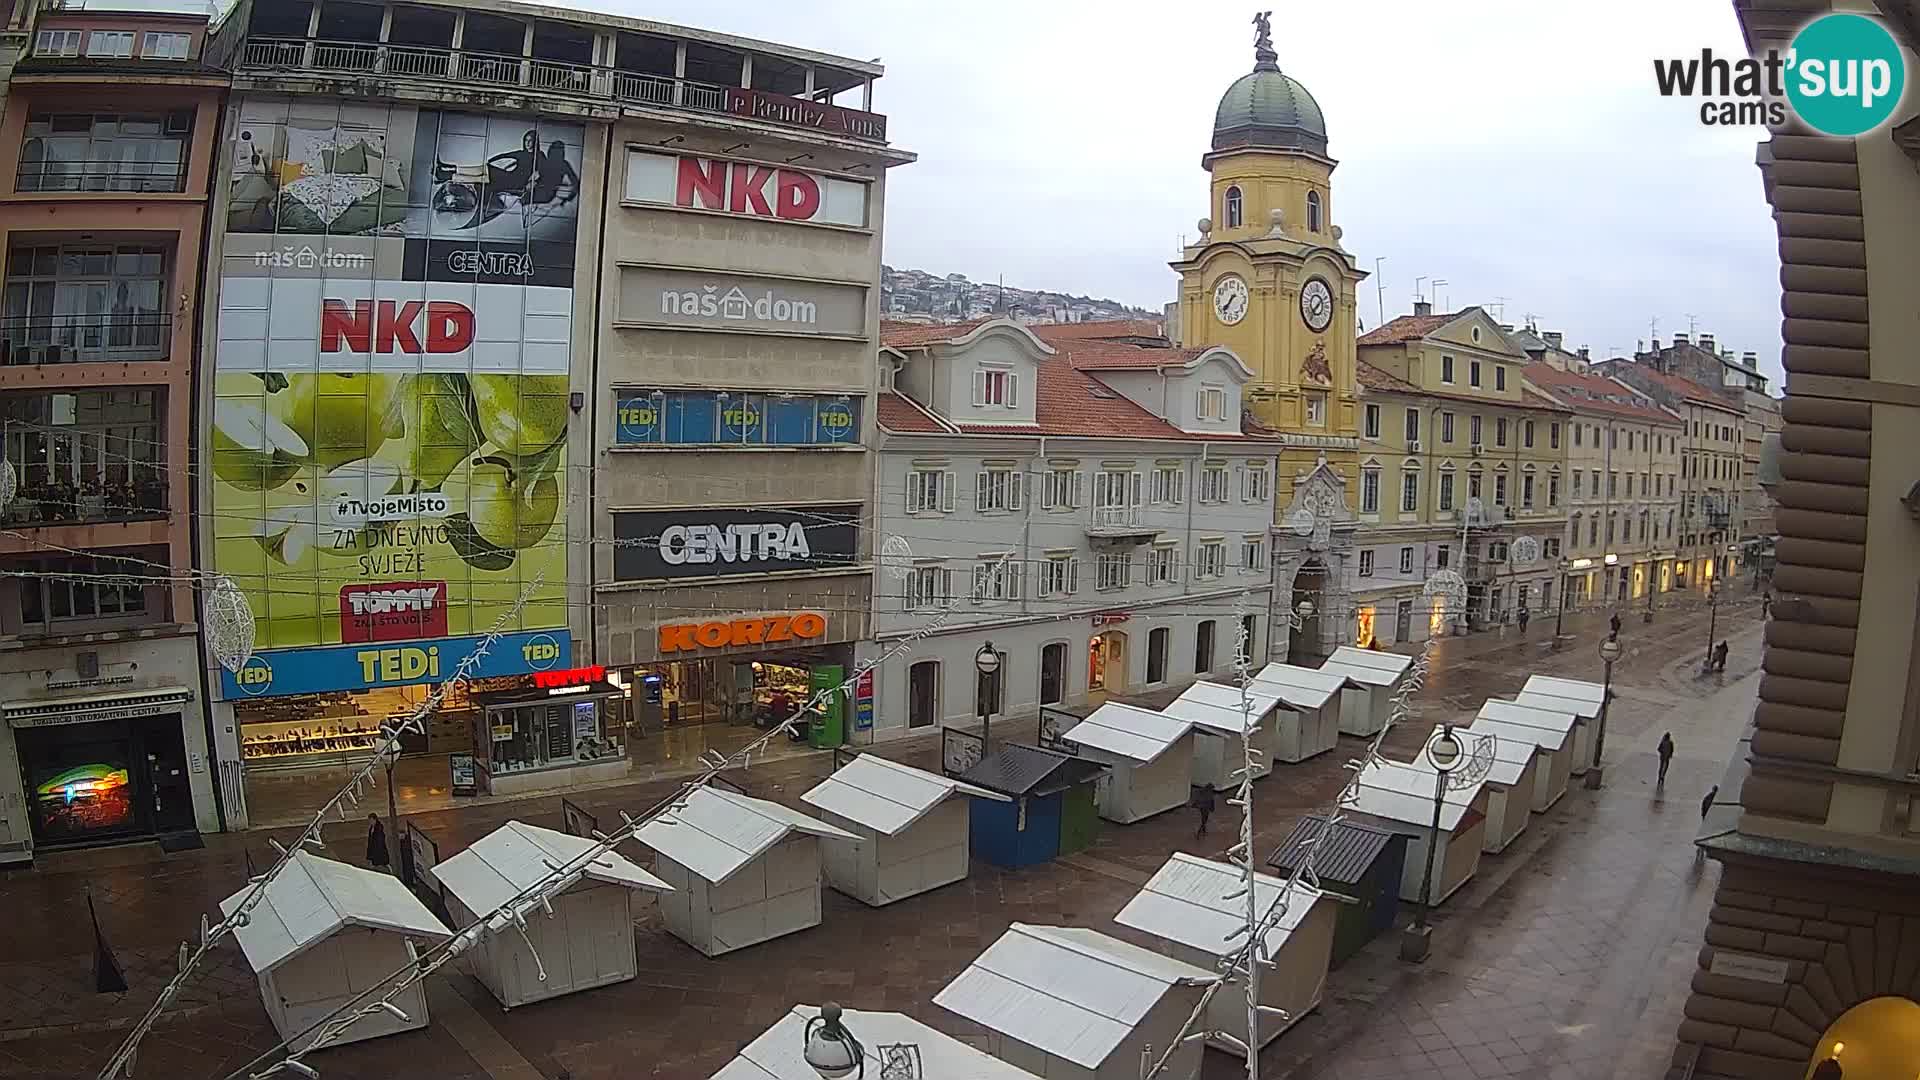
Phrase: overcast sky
(1513,147)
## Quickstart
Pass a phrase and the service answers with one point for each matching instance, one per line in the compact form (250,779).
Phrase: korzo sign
(658,297)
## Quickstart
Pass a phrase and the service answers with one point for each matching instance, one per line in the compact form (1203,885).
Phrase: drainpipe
(1026,531)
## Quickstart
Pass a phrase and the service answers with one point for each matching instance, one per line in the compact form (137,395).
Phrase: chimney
(1706,342)
(1679,340)
(1422,307)
(1750,361)
(1656,345)
(1554,338)
(1585,353)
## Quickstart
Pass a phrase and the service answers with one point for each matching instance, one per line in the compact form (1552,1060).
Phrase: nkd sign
(746,188)
(658,297)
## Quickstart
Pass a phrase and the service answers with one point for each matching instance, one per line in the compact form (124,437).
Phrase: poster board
(463,776)
(577,822)
(1053,722)
(959,750)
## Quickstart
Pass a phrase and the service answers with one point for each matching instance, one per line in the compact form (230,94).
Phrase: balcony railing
(58,502)
(45,176)
(79,339)
(436,64)
(1116,517)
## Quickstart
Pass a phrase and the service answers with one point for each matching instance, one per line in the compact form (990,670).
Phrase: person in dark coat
(1613,624)
(1720,657)
(376,843)
(1203,804)
(1706,804)
(1524,616)
(1666,755)
(1828,1070)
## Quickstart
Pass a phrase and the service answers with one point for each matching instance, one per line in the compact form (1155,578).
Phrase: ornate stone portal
(1313,539)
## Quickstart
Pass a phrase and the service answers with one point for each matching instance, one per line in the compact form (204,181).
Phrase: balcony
(1123,524)
(90,502)
(128,177)
(129,337)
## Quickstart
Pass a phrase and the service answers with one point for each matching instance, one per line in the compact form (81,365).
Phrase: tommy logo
(393,611)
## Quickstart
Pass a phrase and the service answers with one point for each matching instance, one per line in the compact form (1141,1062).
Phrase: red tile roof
(905,335)
(1069,402)
(1112,355)
(1592,393)
(1407,328)
(898,413)
(1100,329)
(1374,378)
(1675,384)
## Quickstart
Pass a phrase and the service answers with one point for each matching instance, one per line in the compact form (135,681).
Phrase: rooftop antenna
(1692,321)
(1653,328)
(1499,306)
(1437,282)
(1417,295)
(1530,317)
(1380,291)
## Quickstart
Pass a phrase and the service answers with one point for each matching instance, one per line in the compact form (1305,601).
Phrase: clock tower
(1269,279)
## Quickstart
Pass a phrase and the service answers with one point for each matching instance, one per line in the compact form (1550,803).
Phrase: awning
(89,708)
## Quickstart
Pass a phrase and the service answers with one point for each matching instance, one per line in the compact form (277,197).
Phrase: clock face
(1316,304)
(1230,300)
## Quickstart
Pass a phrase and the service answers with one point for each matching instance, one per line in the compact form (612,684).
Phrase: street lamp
(830,1049)
(1443,753)
(1713,619)
(1609,652)
(987,663)
(1560,609)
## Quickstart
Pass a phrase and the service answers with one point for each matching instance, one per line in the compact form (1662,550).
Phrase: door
(923,692)
(166,756)
(1053,673)
(1107,663)
(1403,621)
(1159,641)
(1203,647)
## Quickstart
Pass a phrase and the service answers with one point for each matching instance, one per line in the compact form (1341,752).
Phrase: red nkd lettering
(797,197)
(749,194)
(387,326)
(702,184)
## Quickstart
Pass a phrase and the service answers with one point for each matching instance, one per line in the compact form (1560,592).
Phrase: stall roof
(1129,731)
(1419,777)
(887,796)
(1511,734)
(777,1053)
(1368,666)
(1301,687)
(719,832)
(312,897)
(1510,756)
(1191,901)
(1404,794)
(502,864)
(1552,714)
(1075,994)
(1343,858)
(1028,770)
(1217,708)
(1579,697)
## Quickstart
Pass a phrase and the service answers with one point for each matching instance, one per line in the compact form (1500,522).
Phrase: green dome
(1266,108)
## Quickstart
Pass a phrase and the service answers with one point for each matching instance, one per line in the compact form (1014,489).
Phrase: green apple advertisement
(388,438)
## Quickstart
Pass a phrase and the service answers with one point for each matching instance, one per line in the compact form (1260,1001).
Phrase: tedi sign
(748,540)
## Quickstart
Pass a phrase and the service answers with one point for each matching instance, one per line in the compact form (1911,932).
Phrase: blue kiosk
(1052,811)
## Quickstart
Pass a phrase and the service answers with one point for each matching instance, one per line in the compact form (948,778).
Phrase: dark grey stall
(1359,867)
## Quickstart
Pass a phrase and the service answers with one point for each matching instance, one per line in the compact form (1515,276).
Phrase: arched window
(1234,210)
(1313,211)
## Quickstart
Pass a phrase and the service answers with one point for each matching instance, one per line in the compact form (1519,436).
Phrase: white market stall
(1367,708)
(1073,1004)
(1151,755)
(323,934)
(743,870)
(582,940)
(1582,699)
(1214,712)
(912,829)
(1550,732)
(1512,781)
(1195,904)
(1400,797)
(778,1054)
(1315,698)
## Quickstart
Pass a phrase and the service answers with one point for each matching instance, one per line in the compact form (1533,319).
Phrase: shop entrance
(923,693)
(105,780)
(748,691)
(1107,663)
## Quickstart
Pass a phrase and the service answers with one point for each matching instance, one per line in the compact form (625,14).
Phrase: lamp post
(1560,609)
(1713,619)
(1609,652)
(987,663)
(1443,753)
(830,1049)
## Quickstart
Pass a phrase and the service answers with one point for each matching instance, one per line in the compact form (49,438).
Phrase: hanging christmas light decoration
(9,483)
(230,625)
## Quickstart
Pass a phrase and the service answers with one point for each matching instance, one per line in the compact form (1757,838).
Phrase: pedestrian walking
(376,843)
(1706,803)
(1524,617)
(1766,604)
(1666,755)
(1614,624)
(1720,657)
(1203,803)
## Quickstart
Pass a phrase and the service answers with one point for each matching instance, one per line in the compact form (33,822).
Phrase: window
(110,43)
(1163,565)
(1316,409)
(996,386)
(996,576)
(1613,438)
(1553,489)
(1446,491)
(929,491)
(1253,555)
(997,489)
(1573,529)
(1236,213)
(1576,480)
(1613,484)
(1369,491)
(69,589)
(1550,547)
(1595,473)
(1366,562)
(1499,376)
(1169,485)
(1409,491)
(86,303)
(1371,417)
(1578,431)
(1497,552)
(1112,570)
(1526,491)
(1499,489)
(1210,560)
(1629,485)
(929,586)
(1473,483)
(1473,373)
(1406,560)
(85,455)
(1059,576)
(1257,482)
(1473,430)
(1060,489)
(157,46)
(1553,436)
(1446,369)
(1442,555)
(1446,427)
(1500,431)
(1203,646)
(57,43)
(1212,404)
(1413,426)
(1213,484)
(1313,211)
(1158,641)
(1613,521)
(1526,434)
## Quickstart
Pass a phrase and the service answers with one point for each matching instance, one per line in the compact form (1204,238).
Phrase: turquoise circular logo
(1845,74)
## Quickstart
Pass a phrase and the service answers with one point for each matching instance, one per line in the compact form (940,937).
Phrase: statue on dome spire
(1264,58)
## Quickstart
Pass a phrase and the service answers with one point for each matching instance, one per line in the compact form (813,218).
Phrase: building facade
(1808,946)
(106,148)
(1092,509)
(1460,463)
(438,336)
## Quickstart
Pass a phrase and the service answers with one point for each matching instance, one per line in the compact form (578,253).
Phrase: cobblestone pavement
(1581,930)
